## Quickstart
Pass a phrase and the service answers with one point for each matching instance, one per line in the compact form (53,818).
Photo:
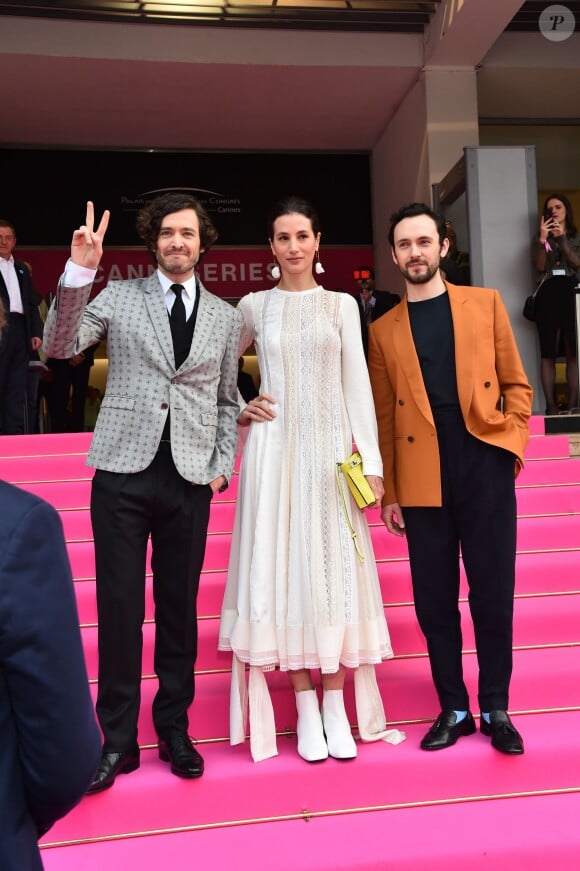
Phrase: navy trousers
(477,519)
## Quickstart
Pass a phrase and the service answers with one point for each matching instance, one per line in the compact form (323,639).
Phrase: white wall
(399,174)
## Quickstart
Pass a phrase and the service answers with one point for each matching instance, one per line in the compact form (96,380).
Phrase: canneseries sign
(229,272)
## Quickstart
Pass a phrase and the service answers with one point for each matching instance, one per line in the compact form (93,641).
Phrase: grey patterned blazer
(142,382)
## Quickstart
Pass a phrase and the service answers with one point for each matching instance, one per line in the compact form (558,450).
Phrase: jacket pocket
(126,403)
(209,418)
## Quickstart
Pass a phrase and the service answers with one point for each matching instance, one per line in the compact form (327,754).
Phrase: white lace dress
(297,595)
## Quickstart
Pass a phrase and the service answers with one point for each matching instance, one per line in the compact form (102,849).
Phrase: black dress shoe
(110,766)
(504,735)
(184,758)
(446,730)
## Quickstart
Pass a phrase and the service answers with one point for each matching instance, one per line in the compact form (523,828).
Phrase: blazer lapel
(158,313)
(206,315)
(465,343)
(408,359)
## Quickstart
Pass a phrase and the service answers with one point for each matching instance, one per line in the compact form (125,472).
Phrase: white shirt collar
(189,286)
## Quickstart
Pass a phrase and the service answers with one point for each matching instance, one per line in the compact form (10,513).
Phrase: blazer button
(164,405)
(401,401)
(410,438)
(487,384)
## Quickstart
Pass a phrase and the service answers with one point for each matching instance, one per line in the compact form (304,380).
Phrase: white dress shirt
(12,285)
(188,295)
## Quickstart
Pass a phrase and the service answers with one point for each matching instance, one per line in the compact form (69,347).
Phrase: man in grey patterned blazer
(165,441)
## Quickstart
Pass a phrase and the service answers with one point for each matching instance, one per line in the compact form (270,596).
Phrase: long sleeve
(357,388)
(247,333)
(384,398)
(69,326)
(72,324)
(227,400)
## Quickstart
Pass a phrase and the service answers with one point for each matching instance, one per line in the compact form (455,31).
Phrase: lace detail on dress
(296,594)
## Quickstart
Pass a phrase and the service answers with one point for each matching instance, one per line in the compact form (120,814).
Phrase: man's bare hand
(393,518)
(217,483)
(87,243)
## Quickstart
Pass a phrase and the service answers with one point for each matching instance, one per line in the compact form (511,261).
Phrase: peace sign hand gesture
(87,243)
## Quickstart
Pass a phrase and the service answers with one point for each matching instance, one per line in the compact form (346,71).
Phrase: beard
(176,266)
(430,269)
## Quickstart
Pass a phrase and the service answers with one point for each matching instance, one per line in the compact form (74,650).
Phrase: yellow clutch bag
(356,482)
(360,488)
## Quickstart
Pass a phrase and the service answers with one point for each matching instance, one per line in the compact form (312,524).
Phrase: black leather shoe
(184,758)
(110,766)
(446,730)
(504,735)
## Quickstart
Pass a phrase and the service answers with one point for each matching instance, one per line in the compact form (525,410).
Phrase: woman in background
(556,256)
(297,596)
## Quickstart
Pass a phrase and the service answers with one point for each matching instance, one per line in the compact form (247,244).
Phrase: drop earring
(275,271)
(318,267)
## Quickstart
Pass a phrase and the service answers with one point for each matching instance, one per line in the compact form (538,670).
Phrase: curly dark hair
(413,210)
(150,217)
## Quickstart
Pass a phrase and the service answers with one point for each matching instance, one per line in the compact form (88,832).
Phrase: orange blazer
(494,394)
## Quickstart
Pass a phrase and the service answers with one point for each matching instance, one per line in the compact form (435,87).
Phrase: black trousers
(14,354)
(125,510)
(58,392)
(479,517)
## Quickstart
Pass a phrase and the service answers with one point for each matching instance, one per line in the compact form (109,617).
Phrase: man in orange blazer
(453,403)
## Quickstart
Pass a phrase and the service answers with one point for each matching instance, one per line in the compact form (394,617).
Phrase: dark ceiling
(395,16)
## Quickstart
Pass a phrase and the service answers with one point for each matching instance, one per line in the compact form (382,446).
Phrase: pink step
(541,533)
(45,444)
(534,533)
(19,470)
(553,620)
(536,573)
(556,499)
(63,494)
(235,788)
(405,684)
(537,425)
(549,472)
(557,571)
(545,681)
(395,582)
(485,833)
(548,447)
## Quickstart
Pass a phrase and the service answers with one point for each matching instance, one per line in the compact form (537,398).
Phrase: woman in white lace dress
(297,596)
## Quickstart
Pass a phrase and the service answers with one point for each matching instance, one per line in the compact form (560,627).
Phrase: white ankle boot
(311,743)
(339,738)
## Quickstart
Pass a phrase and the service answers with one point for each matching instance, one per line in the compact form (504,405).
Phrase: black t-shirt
(432,329)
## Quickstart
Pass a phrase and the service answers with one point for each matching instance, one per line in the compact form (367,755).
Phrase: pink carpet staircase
(395,807)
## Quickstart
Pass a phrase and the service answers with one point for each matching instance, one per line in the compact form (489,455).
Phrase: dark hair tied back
(293,205)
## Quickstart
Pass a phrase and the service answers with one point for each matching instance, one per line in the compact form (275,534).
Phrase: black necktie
(177,316)
(177,322)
